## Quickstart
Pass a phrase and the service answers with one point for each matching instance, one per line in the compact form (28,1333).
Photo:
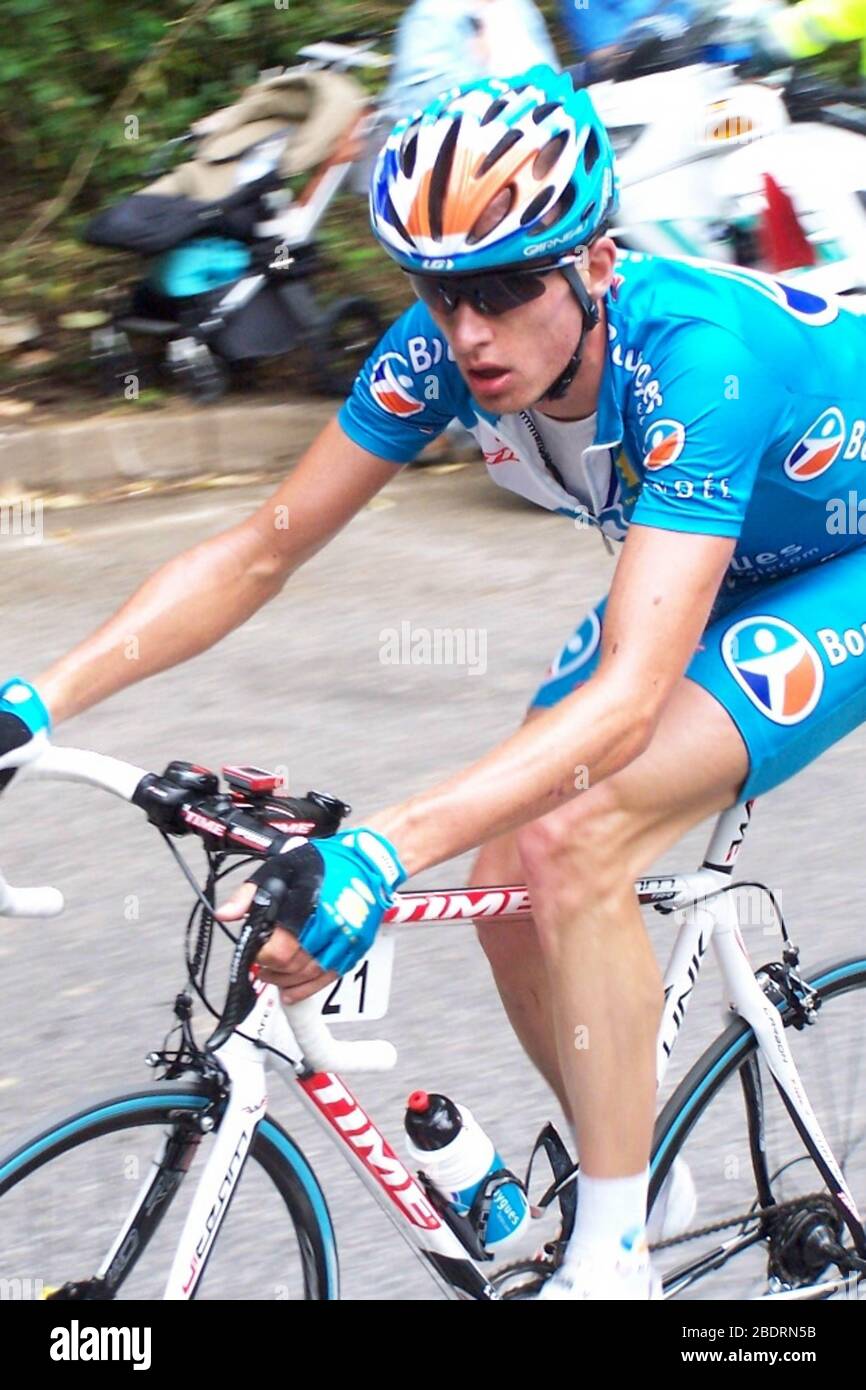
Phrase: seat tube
(697,921)
(727,838)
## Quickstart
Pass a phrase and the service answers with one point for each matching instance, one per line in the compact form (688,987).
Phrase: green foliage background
(63,62)
(63,65)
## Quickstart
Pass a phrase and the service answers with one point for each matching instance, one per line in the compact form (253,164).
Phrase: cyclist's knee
(499,863)
(581,848)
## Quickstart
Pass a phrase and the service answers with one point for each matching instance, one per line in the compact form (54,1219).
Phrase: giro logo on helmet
(542,247)
(391,388)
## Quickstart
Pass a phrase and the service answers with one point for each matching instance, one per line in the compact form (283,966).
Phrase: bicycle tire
(724,1059)
(273,1149)
(337,363)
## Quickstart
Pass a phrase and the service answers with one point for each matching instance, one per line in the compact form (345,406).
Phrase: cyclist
(791,33)
(710,417)
(604,32)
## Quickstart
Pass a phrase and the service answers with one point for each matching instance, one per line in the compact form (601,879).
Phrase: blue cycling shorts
(788,663)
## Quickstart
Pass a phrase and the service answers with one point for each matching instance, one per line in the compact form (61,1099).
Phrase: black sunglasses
(490,292)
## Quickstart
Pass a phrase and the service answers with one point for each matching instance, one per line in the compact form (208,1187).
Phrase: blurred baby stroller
(232,252)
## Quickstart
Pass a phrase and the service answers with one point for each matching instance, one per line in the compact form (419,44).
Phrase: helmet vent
(547,157)
(537,206)
(493,215)
(542,112)
(499,149)
(408,154)
(591,150)
(561,207)
(389,212)
(493,111)
(588,211)
(439,178)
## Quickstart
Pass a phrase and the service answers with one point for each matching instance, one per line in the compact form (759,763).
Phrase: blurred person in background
(603,30)
(805,30)
(444,43)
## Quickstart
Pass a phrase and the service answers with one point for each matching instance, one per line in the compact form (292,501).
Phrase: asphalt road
(304,685)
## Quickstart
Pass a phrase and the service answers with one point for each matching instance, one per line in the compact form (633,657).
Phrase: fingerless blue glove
(22,716)
(336,893)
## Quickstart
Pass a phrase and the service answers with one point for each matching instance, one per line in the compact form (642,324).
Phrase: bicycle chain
(554,1250)
(779,1209)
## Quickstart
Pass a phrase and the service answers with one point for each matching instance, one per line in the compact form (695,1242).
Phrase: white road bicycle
(771,1119)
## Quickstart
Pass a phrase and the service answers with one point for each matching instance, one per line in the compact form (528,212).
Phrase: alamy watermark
(22,518)
(846,516)
(436,646)
(82,1343)
(21,1290)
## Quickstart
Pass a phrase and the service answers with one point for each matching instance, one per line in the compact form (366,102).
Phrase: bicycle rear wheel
(67,1192)
(706,1123)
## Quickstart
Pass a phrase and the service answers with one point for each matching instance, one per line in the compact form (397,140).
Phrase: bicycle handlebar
(64,765)
(322,1051)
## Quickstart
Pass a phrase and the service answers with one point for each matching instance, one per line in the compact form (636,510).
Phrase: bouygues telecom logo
(776,666)
(818,448)
(664,442)
(391,387)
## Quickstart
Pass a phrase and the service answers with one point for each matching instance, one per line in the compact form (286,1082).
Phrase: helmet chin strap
(589,309)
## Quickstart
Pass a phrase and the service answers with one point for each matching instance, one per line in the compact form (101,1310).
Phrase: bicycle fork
(245,1108)
(150,1204)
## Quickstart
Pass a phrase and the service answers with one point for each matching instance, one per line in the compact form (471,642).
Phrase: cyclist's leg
(512,946)
(787,669)
(692,769)
(581,862)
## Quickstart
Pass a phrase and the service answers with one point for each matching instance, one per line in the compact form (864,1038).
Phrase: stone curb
(103,450)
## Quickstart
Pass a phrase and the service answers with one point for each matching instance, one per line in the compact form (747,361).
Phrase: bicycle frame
(709,915)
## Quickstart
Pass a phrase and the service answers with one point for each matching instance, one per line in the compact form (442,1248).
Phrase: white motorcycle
(764,174)
(768,174)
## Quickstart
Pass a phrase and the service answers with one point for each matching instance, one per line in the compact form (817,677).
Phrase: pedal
(81,1291)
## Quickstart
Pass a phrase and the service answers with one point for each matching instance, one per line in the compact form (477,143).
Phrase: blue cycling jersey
(731,404)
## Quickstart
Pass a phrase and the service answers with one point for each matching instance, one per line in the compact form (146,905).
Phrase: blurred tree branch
(86,157)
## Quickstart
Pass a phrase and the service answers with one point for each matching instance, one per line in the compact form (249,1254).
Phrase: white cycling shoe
(631,1276)
(589,1276)
(675,1205)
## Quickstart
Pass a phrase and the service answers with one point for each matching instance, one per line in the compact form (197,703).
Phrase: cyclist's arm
(200,596)
(660,600)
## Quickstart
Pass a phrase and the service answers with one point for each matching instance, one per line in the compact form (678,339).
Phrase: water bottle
(448,1144)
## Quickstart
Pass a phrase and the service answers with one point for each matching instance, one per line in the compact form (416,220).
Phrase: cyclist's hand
(24,724)
(337,892)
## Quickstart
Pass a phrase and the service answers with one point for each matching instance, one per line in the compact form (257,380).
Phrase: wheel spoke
(787,1247)
(101,1214)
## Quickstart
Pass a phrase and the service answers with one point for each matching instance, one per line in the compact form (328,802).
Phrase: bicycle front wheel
(67,1194)
(728,1124)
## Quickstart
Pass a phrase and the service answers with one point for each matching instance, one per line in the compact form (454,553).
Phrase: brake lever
(241,996)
